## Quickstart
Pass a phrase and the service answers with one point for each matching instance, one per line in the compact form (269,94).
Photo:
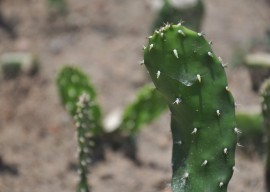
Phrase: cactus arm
(193,82)
(148,105)
(71,83)
(85,140)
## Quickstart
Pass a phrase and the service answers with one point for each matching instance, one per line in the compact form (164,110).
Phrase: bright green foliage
(192,15)
(265,92)
(85,126)
(71,83)
(193,82)
(149,104)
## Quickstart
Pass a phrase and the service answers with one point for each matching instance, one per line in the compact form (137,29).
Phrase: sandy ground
(105,38)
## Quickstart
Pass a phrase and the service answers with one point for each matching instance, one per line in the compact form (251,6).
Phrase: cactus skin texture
(193,82)
(192,15)
(84,135)
(265,93)
(71,83)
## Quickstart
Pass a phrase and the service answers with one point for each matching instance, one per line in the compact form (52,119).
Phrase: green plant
(148,105)
(192,80)
(191,12)
(84,135)
(265,92)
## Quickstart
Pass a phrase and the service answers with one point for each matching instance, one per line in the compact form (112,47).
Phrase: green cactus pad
(149,104)
(192,80)
(71,83)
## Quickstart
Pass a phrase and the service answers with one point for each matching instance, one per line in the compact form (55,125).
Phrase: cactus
(147,106)
(192,80)
(258,65)
(84,134)
(265,93)
(191,11)
(12,64)
(71,83)
(253,130)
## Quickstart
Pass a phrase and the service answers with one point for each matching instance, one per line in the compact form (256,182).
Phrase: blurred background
(104,38)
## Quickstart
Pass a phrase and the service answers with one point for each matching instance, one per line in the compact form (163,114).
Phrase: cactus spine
(192,80)
(265,92)
(85,139)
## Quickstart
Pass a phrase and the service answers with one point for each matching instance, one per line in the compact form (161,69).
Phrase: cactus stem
(210,54)
(218,113)
(177,101)
(237,131)
(161,34)
(181,32)
(199,78)
(158,74)
(175,53)
(151,46)
(225,151)
(204,163)
(194,131)
(221,184)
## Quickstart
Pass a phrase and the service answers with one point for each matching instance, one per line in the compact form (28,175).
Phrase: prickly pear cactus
(149,104)
(265,92)
(85,139)
(193,82)
(71,83)
(190,11)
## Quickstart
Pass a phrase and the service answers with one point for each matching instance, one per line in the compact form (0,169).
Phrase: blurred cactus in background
(12,64)
(57,8)
(189,11)
(258,65)
(265,93)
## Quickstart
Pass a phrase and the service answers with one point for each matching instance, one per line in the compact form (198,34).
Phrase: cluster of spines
(84,135)
(156,71)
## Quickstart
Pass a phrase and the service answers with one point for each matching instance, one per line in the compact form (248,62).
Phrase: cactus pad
(193,82)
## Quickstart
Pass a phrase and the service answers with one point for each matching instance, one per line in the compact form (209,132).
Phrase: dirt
(105,38)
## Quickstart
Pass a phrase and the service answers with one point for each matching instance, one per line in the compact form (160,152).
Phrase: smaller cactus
(148,105)
(71,83)
(258,65)
(265,93)
(84,134)
(12,64)
(189,11)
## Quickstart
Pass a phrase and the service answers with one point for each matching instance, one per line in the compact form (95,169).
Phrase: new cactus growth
(190,11)
(193,82)
(84,135)
(71,83)
(265,92)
